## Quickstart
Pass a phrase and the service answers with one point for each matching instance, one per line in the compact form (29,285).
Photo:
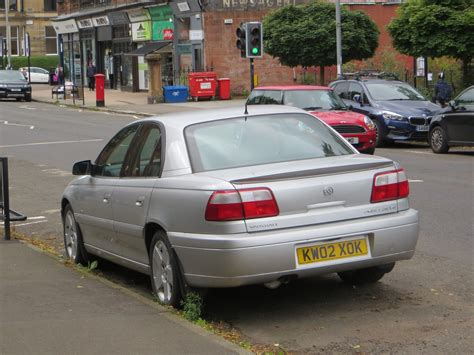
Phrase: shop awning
(148,48)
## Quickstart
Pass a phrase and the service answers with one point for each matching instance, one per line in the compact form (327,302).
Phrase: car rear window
(257,140)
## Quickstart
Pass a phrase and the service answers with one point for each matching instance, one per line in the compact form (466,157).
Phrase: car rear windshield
(257,140)
(11,75)
(393,92)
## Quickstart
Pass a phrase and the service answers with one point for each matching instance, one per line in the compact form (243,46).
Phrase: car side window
(112,158)
(272,97)
(467,98)
(356,89)
(148,158)
(341,90)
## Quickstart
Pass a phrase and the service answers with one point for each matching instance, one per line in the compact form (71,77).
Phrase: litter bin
(202,85)
(176,93)
(224,88)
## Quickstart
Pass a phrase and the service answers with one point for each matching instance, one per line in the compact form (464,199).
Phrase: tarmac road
(425,305)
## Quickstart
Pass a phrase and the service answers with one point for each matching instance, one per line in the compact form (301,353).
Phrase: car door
(35,76)
(132,193)
(95,215)
(459,122)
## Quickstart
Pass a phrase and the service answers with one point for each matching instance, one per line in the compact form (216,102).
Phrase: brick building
(148,44)
(33,17)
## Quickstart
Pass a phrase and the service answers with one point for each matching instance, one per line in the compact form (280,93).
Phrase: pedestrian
(91,71)
(59,74)
(110,65)
(443,90)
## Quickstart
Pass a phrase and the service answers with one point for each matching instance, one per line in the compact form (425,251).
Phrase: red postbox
(224,88)
(99,90)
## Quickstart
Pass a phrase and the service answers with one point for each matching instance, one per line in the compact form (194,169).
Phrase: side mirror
(452,104)
(82,168)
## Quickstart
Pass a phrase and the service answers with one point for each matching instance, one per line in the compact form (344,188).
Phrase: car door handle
(139,201)
(106,198)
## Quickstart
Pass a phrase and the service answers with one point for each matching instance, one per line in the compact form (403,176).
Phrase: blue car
(397,109)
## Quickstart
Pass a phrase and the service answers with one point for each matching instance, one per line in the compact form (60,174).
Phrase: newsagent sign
(251,4)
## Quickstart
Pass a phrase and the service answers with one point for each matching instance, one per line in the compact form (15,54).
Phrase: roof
(292,87)
(181,120)
(148,48)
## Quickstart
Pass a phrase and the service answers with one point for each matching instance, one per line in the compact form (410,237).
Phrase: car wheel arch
(149,231)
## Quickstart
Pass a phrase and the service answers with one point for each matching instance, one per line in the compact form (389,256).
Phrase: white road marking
(17,124)
(36,217)
(27,224)
(28,108)
(48,143)
(136,117)
(52,211)
(415,180)
(417,152)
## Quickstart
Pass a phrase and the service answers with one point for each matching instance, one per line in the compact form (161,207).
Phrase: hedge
(43,61)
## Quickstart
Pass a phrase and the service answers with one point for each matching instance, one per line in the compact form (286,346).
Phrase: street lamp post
(338,39)
(9,34)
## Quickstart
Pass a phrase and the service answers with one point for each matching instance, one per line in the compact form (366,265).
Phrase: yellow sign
(332,251)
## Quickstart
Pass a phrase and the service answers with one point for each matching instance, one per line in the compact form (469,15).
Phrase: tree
(305,35)
(436,28)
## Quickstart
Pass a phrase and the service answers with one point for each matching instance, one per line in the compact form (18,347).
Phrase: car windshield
(314,100)
(257,140)
(393,92)
(11,75)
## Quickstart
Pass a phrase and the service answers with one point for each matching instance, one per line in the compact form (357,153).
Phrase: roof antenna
(246,112)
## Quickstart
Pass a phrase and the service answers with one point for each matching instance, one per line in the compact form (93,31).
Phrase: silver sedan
(224,198)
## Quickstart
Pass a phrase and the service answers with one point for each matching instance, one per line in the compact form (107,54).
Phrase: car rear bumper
(253,258)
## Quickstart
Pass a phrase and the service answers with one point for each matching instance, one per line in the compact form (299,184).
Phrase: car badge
(328,190)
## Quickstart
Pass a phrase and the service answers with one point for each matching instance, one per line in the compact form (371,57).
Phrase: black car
(454,126)
(397,109)
(14,85)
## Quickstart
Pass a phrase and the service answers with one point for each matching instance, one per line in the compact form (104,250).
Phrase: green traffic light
(254,50)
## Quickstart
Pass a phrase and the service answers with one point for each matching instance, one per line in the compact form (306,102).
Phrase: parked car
(454,126)
(223,198)
(14,85)
(397,109)
(321,102)
(38,75)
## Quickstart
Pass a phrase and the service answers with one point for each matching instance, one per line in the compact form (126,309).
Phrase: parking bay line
(47,143)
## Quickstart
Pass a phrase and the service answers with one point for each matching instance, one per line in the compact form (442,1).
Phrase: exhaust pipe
(272,285)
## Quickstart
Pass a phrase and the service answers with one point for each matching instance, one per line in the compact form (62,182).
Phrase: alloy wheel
(70,235)
(437,139)
(162,272)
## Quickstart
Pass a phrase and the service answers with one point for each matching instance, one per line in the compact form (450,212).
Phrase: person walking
(110,66)
(91,71)
(443,90)
(59,74)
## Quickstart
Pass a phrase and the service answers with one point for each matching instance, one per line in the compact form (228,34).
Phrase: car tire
(380,138)
(370,151)
(165,278)
(365,276)
(438,140)
(73,244)
(18,99)
(28,98)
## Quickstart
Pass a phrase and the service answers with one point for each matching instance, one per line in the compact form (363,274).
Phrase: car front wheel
(439,140)
(381,133)
(73,243)
(365,276)
(164,271)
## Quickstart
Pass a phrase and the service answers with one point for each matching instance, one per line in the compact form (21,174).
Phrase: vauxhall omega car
(224,198)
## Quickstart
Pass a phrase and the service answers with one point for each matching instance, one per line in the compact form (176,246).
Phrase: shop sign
(85,23)
(67,26)
(161,13)
(101,21)
(141,31)
(184,49)
(118,18)
(162,31)
(138,15)
(252,4)
(196,35)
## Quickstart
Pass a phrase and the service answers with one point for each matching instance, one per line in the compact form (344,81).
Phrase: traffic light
(254,40)
(241,39)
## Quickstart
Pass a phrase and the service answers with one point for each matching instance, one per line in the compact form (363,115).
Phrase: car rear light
(391,185)
(231,205)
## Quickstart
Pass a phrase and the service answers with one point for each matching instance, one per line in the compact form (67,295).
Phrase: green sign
(162,23)
(141,31)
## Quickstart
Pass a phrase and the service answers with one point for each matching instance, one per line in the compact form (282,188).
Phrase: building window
(49,5)
(51,40)
(12,4)
(15,45)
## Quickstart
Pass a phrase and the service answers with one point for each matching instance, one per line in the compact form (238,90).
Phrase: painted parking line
(409,180)
(49,143)
(7,123)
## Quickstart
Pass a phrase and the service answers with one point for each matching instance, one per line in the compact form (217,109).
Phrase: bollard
(99,90)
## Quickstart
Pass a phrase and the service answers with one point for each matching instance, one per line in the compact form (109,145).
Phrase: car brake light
(231,205)
(391,185)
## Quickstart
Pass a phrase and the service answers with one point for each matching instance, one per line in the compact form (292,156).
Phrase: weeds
(192,307)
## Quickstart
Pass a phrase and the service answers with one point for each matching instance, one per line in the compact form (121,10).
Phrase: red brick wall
(222,54)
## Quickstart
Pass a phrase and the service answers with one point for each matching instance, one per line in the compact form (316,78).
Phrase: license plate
(352,140)
(15,89)
(422,128)
(332,251)
(205,85)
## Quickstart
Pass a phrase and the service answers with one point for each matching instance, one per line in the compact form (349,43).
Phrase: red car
(323,103)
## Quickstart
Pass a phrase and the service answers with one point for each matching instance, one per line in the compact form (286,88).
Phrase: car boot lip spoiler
(315,172)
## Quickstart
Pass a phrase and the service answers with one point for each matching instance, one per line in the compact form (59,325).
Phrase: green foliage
(305,35)
(45,62)
(192,306)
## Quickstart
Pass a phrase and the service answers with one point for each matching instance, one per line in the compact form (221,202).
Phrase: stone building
(33,17)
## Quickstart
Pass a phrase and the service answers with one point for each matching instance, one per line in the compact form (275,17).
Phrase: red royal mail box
(99,90)
(203,84)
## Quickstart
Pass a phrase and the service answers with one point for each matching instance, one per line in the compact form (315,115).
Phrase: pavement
(48,308)
(127,102)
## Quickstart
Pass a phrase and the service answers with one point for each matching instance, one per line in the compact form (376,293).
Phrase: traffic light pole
(251,74)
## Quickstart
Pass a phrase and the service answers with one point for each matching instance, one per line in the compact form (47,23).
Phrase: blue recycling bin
(175,93)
